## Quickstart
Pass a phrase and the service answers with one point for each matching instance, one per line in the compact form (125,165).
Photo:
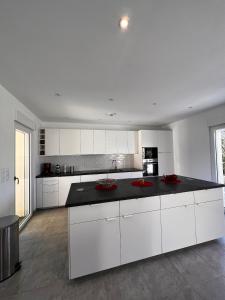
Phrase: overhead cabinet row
(88,141)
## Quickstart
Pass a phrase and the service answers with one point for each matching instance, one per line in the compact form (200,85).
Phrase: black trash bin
(9,246)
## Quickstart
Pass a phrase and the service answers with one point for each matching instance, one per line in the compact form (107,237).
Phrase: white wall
(191,140)
(12,110)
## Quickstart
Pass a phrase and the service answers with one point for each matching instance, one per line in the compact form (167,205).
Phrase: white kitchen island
(110,233)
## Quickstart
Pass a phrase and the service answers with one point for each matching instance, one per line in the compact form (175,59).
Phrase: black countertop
(91,172)
(126,191)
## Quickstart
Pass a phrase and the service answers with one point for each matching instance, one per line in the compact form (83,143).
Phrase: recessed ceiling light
(111,114)
(58,95)
(190,107)
(111,99)
(154,103)
(124,22)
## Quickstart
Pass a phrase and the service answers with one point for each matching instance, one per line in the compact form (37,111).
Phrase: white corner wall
(12,110)
(191,141)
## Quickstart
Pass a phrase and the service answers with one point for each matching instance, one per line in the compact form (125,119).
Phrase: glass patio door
(22,173)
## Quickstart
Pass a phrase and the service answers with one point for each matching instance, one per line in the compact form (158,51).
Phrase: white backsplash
(90,162)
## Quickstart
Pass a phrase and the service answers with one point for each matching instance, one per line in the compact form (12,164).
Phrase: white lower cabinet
(94,246)
(178,227)
(124,175)
(64,187)
(140,236)
(209,221)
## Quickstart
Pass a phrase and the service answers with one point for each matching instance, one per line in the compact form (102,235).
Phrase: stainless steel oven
(150,167)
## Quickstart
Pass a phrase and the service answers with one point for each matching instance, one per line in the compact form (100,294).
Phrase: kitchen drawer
(51,180)
(50,199)
(175,200)
(134,206)
(94,177)
(49,188)
(208,195)
(93,212)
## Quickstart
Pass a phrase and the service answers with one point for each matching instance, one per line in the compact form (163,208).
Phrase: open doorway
(22,173)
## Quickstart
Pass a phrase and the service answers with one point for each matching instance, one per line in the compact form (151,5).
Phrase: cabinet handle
(110,219)
(128,216)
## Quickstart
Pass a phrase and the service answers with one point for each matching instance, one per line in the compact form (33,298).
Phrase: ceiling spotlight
(111,114)
(190,107)
(154,103)
(111,99)
(124,22)
(58,95)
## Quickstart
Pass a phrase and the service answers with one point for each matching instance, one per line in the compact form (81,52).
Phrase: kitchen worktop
(90,172)
(126,191)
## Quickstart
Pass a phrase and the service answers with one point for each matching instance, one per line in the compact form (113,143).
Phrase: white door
(22,173)
(69,141)
(111,144)
(132,142)
(140,236)
(51,141)
(166,165)
(94,246)
(209,221)
(99,142)
(64,187)
(121,142)
(87,141)
(178,228)
(165,141)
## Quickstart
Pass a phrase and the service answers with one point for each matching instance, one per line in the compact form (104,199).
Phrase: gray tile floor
(194,273)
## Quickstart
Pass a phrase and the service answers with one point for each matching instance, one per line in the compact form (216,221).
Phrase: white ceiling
(173,54)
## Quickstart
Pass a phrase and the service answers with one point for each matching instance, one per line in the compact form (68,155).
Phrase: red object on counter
(173,179)
(101,187)
(141,183)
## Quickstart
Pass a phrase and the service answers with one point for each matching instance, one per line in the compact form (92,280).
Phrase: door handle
(17,179)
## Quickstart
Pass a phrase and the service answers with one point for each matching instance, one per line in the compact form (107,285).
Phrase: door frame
(23,128)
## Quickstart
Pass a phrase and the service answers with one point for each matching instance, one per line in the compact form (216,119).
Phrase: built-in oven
(149,153)
(150,167)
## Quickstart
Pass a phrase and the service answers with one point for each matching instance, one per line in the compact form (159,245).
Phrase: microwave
(150,153)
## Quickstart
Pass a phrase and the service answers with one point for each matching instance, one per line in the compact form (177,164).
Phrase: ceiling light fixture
(111,99)
(58,95)
(124,22)
(190,107)
(154,103)
(111,114)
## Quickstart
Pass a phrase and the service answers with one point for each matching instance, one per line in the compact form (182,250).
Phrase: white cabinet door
(121,142)
(51,141)
(111,143)
(69,141)
(165,141)
(94,246)
(132,142)
(39,192)
(87,141)
(166,165)
(50,199)
(140,236)
(95,177)
(149,138)
(209,221)
(99,142)
(178,228)
(64,187)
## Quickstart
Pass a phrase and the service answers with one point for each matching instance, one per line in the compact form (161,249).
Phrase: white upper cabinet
(121,142)
(132,142)
(111,141)
(148,138)
(156,138)
(51,141)
(87,141)
(99,142)
(165,141)
(69,141)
